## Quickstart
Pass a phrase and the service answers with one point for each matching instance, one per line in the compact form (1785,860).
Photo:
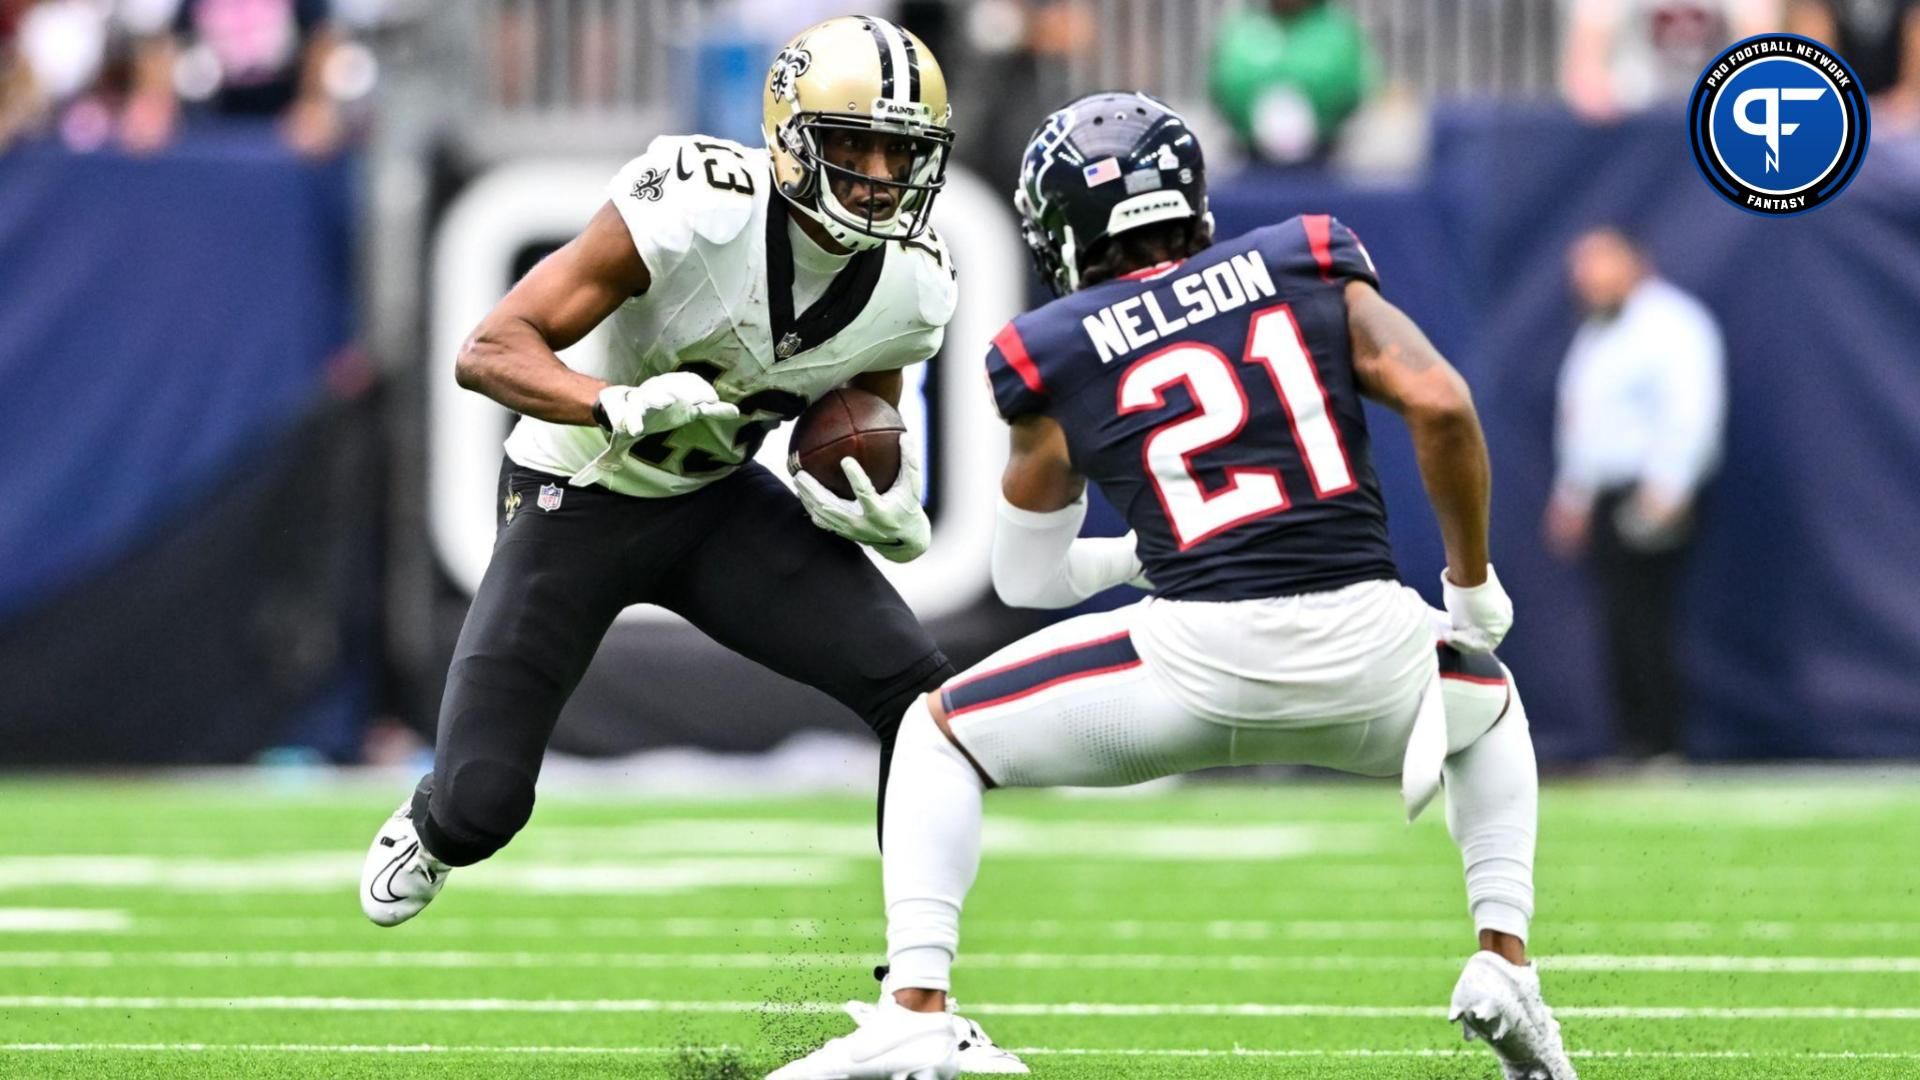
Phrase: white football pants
(1333,679)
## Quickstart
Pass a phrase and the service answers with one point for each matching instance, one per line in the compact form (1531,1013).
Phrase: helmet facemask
(1050,242)
(916,153)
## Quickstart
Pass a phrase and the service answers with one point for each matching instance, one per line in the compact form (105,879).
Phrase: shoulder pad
(687,189)
(1319,245)
(1018,387)
(935,275)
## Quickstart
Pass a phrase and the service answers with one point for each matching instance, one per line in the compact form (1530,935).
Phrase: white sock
(1493,809)
(932,845)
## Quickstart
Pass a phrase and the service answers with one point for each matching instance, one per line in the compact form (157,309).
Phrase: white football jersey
(720,304)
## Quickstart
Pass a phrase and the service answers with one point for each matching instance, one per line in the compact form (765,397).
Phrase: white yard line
(25,920)
(1024,961)
(345,1048)
(1756,965)
(1083,1009)
(338,871)
(1686,1055)
(1025,1051)
(695,927)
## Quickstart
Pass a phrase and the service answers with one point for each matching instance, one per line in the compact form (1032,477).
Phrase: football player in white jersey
(742,283)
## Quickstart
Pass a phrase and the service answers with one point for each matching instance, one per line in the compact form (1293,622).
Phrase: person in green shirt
(1287,73)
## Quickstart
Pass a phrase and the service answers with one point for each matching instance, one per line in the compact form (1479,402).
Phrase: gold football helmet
(856,91)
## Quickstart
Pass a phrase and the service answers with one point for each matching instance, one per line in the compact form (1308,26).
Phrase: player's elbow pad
(1030,555)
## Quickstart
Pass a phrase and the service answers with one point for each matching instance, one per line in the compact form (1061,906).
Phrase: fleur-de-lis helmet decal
(793,62)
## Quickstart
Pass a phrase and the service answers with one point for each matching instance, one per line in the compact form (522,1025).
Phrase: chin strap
(851,239)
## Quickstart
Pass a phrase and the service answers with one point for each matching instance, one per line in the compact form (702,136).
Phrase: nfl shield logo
(550,497)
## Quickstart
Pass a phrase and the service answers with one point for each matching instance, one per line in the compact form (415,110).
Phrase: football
(847,423)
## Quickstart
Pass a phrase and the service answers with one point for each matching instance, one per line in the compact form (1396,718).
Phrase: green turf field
(1697,928)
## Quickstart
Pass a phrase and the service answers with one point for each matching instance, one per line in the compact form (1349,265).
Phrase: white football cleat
(400,876)
(889,1043)
(1501,1003)
(976,1052)
(979,1054)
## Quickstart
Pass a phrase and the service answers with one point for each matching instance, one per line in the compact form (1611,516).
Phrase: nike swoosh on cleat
(387,873)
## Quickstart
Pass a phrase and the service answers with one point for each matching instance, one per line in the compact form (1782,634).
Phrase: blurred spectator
(1880,40)
(19,95)
(1287,73)
(1623,56)
(53,55)
(264,58)
(1024,53)
(1642,405)
(66,63)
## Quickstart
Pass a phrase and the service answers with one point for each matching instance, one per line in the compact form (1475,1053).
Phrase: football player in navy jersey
(1213,392)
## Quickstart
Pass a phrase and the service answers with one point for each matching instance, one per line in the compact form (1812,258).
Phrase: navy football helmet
(1102,165)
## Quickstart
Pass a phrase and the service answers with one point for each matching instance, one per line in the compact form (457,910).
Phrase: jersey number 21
(1275,346)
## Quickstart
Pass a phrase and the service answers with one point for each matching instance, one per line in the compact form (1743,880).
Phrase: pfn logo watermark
(1779,124)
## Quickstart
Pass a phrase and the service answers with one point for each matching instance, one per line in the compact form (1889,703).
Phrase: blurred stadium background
(242,504)
(246,503)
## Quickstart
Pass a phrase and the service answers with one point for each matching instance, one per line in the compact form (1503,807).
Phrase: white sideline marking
(1760,807)
(1024,1051)
(62,920)
(1027,961)
(709,840)
(1083,1009)
(327,871)
(1006,837)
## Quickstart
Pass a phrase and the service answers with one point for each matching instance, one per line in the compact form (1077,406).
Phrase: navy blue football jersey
(1214,401)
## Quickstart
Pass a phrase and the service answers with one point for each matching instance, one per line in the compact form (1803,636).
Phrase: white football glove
(1481,615)
(1139,578)
(661,403)
(891,522)
(1098,563)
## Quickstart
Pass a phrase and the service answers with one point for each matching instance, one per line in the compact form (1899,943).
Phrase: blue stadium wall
(189,521)
(196,476)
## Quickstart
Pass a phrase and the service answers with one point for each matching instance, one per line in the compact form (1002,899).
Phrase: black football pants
(1639,592)
(738,559)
